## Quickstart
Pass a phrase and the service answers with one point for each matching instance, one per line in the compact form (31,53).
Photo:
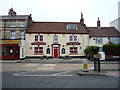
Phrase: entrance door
(55,51)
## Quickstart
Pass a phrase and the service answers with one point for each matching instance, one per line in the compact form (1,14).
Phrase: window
(22,24)
(72,27)
(12,35)
(12,24)
(98,40)
(7,50)
(63,51)
(55,38)
(38,37)
(48,51)
(73,50)
(22,34)
(73,38)
(115,40)
(38,50)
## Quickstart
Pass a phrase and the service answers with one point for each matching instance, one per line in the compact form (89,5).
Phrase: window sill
(73,54)
(38,54)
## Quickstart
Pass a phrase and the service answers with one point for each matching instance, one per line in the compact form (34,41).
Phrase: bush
(91,50)
(111,49)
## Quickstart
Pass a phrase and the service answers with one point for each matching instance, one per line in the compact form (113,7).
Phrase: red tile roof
(103,32)
(56,27)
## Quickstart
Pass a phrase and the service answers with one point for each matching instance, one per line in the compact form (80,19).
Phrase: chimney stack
(82,19)
(98,23)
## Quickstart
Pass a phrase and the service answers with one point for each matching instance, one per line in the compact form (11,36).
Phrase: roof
(6,17)
(56,27)
(103,32)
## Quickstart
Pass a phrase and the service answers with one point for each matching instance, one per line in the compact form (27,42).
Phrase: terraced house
(12,31)
(59,39)
(22,38)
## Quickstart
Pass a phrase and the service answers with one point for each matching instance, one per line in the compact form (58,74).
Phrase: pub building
(12,31)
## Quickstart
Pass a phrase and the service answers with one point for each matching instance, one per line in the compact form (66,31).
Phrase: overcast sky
(64,10)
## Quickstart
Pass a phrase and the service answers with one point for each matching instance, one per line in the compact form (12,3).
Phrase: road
(36,75)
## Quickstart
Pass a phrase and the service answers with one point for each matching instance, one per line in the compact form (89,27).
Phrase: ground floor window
(7,50)
(38,50)
(48,51)
(63,51)
(73,50)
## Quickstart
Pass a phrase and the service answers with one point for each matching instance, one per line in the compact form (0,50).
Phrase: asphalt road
(30,75)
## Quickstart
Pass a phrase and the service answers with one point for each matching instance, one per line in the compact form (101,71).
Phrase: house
(12,35)
(57,39)
(99,36)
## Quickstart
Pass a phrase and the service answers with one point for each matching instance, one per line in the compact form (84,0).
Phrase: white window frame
(114,40)
(21,24)
(55,38)
(12,35)
(22,34)
(73,38)
(72,26)
(99,40)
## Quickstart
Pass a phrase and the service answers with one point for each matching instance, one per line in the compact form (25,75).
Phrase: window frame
(73,38)
(38,38)
(73,50)
(55,38)
(12,34)
(99,40)
(38,50)
(72,27)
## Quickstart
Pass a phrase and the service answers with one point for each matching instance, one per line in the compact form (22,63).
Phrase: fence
(106,65)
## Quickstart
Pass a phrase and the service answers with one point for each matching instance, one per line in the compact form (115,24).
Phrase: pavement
(51,60)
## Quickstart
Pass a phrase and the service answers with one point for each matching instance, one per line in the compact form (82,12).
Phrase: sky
(64,10)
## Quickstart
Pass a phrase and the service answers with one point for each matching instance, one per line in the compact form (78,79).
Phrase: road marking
(49,65)
(60,73)
(30,65)
(34,75)
(41,75)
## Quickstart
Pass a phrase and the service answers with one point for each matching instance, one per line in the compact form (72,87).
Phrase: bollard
(85,66)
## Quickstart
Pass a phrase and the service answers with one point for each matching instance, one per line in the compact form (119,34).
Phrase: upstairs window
(73,38)
(22,24)
(55,39)
(99,40)
(72,27)
(114,40)
(12,35)
(22,35)
(38,37)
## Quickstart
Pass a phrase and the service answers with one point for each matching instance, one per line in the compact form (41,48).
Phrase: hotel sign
(10,42)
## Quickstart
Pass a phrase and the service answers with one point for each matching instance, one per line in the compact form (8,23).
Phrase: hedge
(111,49)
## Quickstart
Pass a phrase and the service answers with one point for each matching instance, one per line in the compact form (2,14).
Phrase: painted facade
(12,31)
(59,47)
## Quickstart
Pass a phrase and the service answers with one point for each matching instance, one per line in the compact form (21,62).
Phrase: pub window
(48,51)
(55,38)
(63,51)
(38,37)
(73,50)
(38,50)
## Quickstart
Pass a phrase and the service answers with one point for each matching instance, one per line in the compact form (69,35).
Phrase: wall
(63,39)
(92,42)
